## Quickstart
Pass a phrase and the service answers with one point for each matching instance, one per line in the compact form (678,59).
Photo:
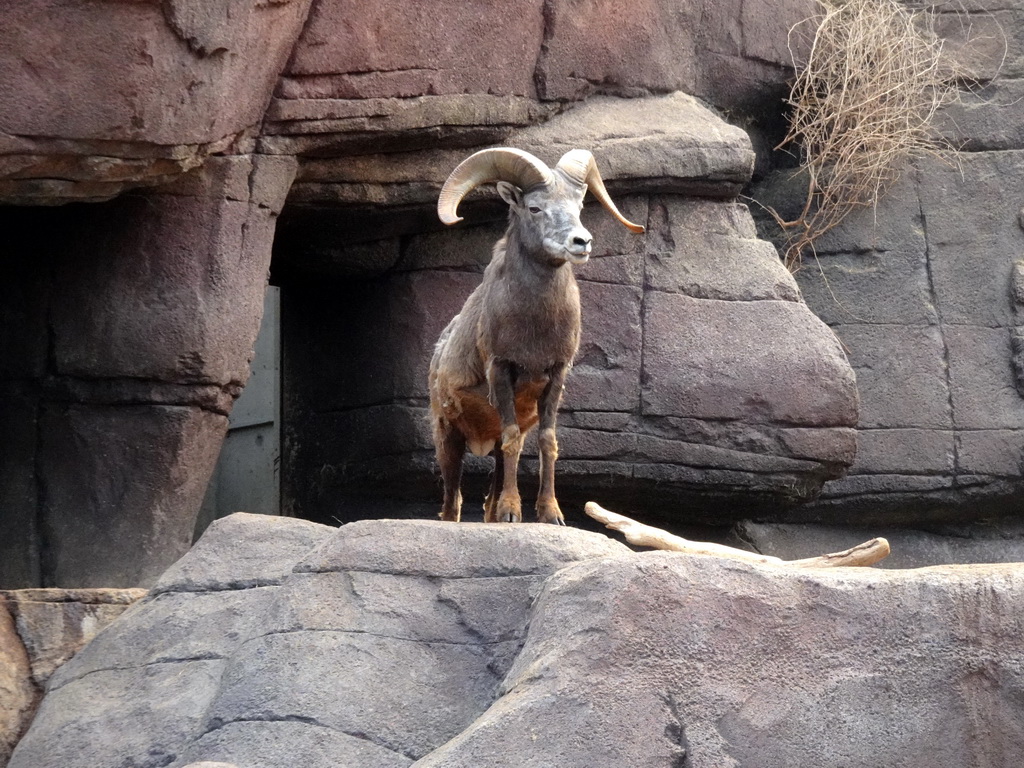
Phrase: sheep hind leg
(491,501)
(451,446)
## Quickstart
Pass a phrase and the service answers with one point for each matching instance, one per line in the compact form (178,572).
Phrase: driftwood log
(868,553)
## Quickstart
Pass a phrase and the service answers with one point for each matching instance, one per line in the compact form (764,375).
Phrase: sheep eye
(534,209)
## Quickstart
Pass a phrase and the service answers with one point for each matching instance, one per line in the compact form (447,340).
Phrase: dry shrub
(862,103)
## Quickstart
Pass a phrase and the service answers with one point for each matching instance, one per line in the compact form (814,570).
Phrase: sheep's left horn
(496,164)
(579,167)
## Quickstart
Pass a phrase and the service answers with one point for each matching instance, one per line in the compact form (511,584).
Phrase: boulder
(662,659)
(398,643)
(217,663)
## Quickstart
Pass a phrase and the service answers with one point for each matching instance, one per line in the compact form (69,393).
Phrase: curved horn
(498,164)
(579,167)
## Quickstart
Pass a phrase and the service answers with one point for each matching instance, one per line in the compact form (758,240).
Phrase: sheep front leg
(548,510)
(502,395)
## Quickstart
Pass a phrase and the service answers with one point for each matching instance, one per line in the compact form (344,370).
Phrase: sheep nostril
(581,241)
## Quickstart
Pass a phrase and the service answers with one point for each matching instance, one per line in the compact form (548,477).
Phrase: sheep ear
(510,193)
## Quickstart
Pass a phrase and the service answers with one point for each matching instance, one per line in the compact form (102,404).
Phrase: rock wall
(136,315)
(702,381)
(138,318)
(924,294)
(400,643)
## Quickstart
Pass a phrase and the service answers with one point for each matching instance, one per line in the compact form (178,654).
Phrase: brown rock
(17,694)
(349,50)
(54,624)
(145,92)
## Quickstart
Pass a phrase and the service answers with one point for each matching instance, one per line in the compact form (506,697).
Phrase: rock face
(143,93)
(704,378)
(398,643)
(142,313)
(925,295)
(701,375)
(135,317)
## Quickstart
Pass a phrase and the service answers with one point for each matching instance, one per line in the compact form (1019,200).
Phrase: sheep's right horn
(498,164)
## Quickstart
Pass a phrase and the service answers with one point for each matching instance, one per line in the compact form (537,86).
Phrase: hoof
(549,512)
(505,511)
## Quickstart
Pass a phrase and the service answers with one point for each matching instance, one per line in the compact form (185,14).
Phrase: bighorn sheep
(500,366)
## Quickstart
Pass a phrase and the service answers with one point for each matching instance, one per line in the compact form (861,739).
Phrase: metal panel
(247,477)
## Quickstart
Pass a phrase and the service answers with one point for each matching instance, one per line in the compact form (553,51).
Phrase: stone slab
(762,361)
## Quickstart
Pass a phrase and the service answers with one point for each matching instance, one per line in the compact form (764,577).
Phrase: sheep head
(546,202)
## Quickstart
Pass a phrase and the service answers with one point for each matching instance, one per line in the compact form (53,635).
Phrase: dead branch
(868,553)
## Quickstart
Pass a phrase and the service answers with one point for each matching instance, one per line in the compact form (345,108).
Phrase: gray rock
(431,547)
(973,234)
(655,144)
(906,451)
(231,555)
(901,375)
(92,541)
(278,640)
(397,643)
(982,384)
(605,376)
(152,712)
(762,361)
(854,288)
(709,663)
(710,251)
(267,744)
